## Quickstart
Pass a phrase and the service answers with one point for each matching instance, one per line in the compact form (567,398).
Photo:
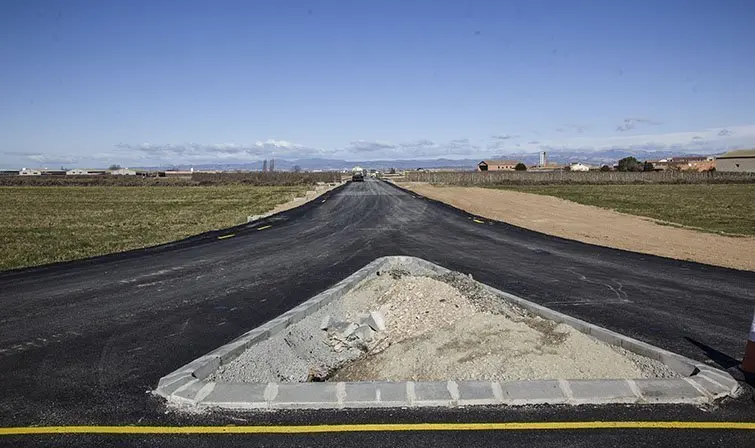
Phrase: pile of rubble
(364,334)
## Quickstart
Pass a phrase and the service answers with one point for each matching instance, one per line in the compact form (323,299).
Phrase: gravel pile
(438,327)
(304,351)
(480,297)
(416,305)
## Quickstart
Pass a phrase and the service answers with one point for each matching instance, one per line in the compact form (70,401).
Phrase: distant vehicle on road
(357,174)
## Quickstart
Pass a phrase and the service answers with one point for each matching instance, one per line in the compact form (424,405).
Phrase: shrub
(629,164)
(520,167)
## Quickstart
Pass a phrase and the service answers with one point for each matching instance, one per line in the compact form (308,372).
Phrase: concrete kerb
(187,389)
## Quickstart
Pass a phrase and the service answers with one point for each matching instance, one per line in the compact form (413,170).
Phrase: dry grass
(41,225)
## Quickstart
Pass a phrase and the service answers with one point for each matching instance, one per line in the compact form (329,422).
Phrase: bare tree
(264,165)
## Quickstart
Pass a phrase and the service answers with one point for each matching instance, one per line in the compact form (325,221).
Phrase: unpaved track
(83,342)
(595,225)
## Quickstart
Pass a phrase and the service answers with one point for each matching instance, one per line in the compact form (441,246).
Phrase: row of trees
(634,165)
(626,164)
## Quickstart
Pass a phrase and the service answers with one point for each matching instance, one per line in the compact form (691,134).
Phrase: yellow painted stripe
(479,222)
(306,429)
(226,236)
(263,227)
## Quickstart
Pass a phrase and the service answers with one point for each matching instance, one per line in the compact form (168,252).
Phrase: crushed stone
(437,327)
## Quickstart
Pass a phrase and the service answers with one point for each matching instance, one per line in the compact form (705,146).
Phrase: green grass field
(727,208)
(41,225)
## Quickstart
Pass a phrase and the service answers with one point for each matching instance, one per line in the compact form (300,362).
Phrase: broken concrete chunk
(376,321)
(364,333)
(325,322)
(345,329)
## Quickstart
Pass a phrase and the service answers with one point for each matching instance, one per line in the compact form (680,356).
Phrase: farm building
(742,161)
(29,172)
(497,165)
(78,172)
(684,163)
(123,172)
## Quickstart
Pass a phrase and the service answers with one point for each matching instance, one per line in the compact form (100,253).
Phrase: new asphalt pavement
(83,343)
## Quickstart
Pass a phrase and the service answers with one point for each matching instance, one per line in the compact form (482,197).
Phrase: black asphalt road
(82,343)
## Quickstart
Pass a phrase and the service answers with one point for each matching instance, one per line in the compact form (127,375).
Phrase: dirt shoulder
(595,225)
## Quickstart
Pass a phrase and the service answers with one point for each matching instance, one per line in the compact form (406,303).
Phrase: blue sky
(139,82)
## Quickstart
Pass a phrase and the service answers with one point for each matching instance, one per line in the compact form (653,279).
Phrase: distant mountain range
(329,164)
(561,157)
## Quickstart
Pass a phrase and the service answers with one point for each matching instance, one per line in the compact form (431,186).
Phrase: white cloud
(709,140)
(712,139)
(270,143)
(631,123)
(360,146)
(196,152)
(44,159)
(51,158)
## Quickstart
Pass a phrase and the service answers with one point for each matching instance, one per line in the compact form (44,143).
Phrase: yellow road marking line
(226,236)
(478,221)
(378,427)
(263,227)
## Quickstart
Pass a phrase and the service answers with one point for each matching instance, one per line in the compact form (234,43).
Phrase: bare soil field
(595,225)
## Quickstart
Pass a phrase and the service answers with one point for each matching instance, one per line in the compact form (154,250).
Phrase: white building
(543,158)
(29,172)
(579,167)
(77,172)
(123,172)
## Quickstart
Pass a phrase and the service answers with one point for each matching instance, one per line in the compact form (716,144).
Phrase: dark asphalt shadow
(724,361)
